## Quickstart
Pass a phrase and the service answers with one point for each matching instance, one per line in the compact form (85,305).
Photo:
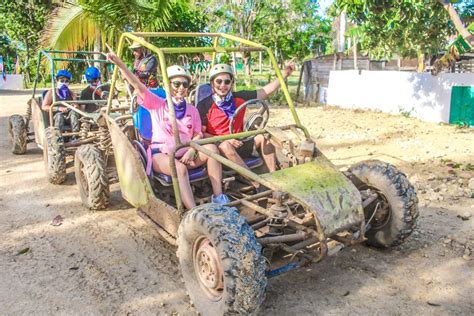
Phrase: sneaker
(220,199)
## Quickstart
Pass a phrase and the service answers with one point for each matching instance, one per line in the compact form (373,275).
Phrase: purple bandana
(179,108)
(226,105)
(64,93)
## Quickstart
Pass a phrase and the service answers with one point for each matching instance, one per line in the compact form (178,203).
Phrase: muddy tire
(221,261)
(91,177)
(18,134)
(397,209)
(54,155)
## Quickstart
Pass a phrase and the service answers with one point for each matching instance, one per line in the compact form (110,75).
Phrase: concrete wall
(421,94)
(12,82)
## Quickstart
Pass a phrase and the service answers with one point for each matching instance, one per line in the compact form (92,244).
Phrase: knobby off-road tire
(54,155)
(91,177)
(18,134)
(395,190)
(214,229)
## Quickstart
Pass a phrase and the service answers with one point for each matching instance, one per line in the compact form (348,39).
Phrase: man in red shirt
(217,109)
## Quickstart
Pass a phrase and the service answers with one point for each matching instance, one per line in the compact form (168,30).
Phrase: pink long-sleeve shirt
(188,126)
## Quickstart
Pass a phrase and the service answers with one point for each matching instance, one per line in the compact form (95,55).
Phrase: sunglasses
(178,84)
(220,81)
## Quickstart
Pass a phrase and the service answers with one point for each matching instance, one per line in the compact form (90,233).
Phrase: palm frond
(69,28)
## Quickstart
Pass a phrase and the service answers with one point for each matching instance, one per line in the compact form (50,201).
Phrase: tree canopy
(23,21)
(406,27)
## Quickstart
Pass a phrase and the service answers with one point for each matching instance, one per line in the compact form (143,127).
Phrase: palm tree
(84,24)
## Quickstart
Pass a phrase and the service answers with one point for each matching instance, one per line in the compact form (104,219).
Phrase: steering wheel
(107,84)
(255,121)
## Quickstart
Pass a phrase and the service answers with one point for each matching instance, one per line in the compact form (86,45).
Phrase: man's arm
(273,86)
(47,101)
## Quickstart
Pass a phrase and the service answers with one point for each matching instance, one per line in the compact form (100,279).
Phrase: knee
(75,115)
(59,118)
(260,140)
(226,148)
(212,147)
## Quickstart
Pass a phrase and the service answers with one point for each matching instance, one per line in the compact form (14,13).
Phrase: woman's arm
(273,86)
(140,88)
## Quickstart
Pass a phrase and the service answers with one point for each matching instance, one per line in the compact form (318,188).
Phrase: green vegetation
(410,28)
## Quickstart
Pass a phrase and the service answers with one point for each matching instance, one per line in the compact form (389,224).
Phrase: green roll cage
(243,45)
(55,56)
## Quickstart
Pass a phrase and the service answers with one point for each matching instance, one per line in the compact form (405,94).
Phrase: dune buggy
(308,207)
(56,144)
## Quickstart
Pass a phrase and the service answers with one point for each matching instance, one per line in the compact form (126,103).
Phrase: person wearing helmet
(62,114)
(145,65)
(92,75)
(217,109)
(189,127)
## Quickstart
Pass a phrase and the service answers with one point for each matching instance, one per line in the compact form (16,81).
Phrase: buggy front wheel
(392,216)
(221,261)
(54,155)
(91,177)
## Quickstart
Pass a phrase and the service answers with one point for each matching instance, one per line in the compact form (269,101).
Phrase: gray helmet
(220,69)
(176,71)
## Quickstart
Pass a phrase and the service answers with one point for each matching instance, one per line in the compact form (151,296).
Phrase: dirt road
(112,262)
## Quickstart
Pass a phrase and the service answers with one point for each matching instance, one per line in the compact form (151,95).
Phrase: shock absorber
(85,129)
(104,142)
(280,212)
(28,112)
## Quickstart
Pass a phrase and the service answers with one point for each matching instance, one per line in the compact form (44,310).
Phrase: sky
(324,4)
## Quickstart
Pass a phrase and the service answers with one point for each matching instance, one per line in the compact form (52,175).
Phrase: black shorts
(246,150)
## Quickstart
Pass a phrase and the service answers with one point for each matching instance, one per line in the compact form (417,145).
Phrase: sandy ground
(112,262)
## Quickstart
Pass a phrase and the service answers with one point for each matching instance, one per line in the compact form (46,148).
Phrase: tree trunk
(97,48)
(27,62)
(421,62)
(355,53)
(457,22)
(246,60)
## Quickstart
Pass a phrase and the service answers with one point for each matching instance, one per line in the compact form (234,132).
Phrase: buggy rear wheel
(392,215)
(18,134)
(91,177)
(221,261)
(54,155)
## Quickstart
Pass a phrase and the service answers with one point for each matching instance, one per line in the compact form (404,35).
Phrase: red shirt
(216,121)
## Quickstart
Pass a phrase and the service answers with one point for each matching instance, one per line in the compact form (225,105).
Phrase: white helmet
(175,71)
(220,69)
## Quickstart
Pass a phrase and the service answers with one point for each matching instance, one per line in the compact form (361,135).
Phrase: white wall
(423,95)
(12,82)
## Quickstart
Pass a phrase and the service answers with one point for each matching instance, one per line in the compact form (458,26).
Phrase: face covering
(226,104)
(179,108)
(95,84)
(63,91)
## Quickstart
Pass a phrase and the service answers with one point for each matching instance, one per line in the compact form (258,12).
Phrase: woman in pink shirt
(189,127)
